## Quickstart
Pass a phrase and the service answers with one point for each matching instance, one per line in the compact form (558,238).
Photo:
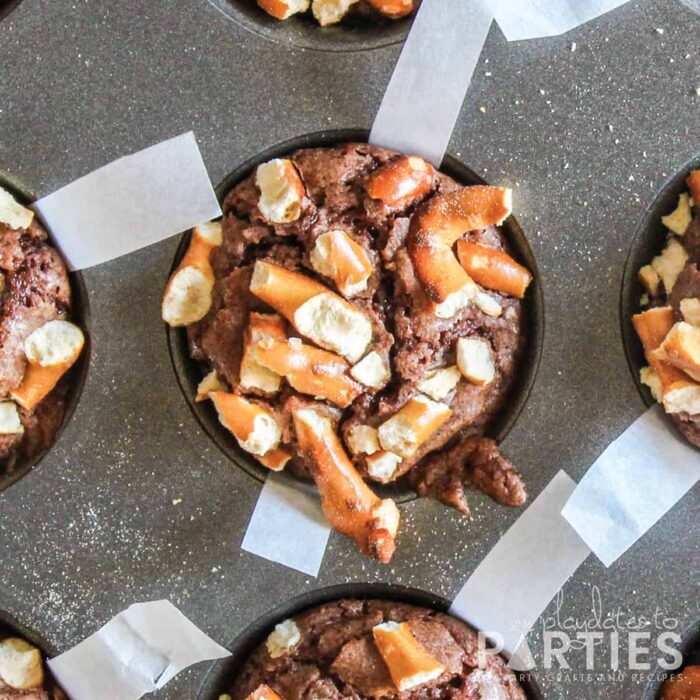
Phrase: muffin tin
(95,528)
(189,374)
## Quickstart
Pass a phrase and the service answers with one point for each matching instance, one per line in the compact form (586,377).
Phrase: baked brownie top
(329,652)
(392,358)
(34,290)
(669,326)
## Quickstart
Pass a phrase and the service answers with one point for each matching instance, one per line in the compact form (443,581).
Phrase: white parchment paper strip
(524,571)
(421,105)
(136,652)
(639,477)
(288,525)
(532,19)
(131,203)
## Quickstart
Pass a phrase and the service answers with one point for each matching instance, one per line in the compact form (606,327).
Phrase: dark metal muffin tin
(99,524)
(75,377)
(189,374)
(224,672)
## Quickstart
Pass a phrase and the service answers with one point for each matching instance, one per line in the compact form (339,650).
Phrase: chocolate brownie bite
(357,316)
(669,324)
(38,344)
(372,649)
(330,12)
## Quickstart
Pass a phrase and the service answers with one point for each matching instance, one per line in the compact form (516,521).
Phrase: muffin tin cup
(649,240)
(77,374)
(6,6)
(223,673)
(302,31)
(689,648)
(189,374)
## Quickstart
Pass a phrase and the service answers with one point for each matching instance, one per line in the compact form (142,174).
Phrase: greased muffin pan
(134,501)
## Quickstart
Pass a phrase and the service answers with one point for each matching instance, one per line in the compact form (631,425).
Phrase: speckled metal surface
(585,136)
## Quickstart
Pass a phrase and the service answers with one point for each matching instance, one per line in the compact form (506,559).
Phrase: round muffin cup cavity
(189,373)
(74,379)
(303,31)
(223,673)
(649,240)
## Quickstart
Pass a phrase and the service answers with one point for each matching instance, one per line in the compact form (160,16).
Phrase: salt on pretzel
(350,506)
(253,375)
(51,351)
(493,268)
(412,425)
(309,370)
(401,182)
(314,310)
(187,297)
(679,393)
(394,9)
(340,258)
(409,664)
(435,228)
(254,426)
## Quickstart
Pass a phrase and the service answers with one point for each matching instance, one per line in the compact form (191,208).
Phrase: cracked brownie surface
(336,657)
(34,289)
(405,332)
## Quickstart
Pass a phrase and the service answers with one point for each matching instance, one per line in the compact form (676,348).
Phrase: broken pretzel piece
(350,506)
(493,268)
(681,349)
(51,351)
(694,186)
(340,258)
(330,12)
(253,375)
(679,393)
(409,664)
(187,297)
(281,189)
(314,310)
(13,214)
(412,425)
(475,361)
(435,228)
(263,692)
(401,182)
(679,219)
(255,428)
(309,370)
(21,665)
(393,9)
(10,421)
